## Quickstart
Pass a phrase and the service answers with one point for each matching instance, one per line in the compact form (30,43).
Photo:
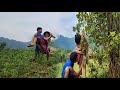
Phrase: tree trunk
(113,54)
(113,65)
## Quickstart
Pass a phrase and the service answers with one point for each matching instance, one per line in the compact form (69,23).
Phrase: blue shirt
(41,36)
(68,63)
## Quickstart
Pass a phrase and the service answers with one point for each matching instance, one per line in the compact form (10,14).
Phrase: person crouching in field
(68,71)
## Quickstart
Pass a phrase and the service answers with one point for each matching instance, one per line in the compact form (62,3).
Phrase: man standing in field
(34,41)
(41,42)
(38,35)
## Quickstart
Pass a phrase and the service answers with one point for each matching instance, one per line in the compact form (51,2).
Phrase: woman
(82,50)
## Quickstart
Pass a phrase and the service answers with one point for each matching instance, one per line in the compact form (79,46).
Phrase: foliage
(2,45)
(18,63)
(102,30)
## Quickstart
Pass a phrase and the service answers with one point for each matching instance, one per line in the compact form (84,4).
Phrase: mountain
(64,43)
(13,43)
(61,42)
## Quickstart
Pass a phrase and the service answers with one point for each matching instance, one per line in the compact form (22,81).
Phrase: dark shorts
(37,49)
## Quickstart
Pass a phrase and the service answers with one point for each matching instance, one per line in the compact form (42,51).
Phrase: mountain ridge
(61,42)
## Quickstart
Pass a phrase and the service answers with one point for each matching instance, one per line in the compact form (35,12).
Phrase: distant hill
(64,43)
(13,43)
(61,42)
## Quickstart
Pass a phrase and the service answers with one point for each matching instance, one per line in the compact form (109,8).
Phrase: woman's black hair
(46,33)
(77,38)
(73,56)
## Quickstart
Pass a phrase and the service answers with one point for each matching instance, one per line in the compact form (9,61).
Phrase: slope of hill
(61,43)
(14,43)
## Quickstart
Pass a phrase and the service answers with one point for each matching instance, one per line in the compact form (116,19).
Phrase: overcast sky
(21,26)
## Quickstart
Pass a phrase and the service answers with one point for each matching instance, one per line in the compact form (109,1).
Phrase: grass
(17,63)
(59,70)
(60,66)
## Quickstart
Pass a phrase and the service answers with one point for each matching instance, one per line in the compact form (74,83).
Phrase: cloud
(22,25)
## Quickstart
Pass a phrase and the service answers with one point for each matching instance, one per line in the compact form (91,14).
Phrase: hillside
(61,43)
(13,43)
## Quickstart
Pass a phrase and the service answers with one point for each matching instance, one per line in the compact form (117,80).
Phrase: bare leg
(81,71)
(34,39)
(48,51)
(36,52)
(47,56)
(84,68)
(80,66)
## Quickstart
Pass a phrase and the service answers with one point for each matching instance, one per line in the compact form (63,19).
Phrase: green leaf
(112,34)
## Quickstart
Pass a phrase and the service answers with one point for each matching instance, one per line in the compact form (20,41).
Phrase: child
(68,71)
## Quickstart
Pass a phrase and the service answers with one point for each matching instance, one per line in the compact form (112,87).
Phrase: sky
(21,26)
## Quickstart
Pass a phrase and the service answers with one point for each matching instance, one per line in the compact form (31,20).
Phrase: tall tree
(103,29)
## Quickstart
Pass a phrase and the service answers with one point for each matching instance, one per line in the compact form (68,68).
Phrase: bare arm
(78,50)
(84,67)
(76,74)
(82,64)
(66,72)
(52,35)
(35,35)
(47,38)
(73,72)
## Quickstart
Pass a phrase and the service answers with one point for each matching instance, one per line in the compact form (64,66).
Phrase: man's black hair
(39,28)
(73,56)
(77,38)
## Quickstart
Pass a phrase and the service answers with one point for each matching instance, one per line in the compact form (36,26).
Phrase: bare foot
(30,45)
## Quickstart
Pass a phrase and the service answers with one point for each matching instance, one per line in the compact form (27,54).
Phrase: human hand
(81,34)
(52,36)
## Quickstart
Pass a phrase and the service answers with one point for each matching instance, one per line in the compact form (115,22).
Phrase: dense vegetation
(102,29)
(18,63)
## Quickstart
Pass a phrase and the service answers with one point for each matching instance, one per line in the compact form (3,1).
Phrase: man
(34,41)
(38,35)
(68,71)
